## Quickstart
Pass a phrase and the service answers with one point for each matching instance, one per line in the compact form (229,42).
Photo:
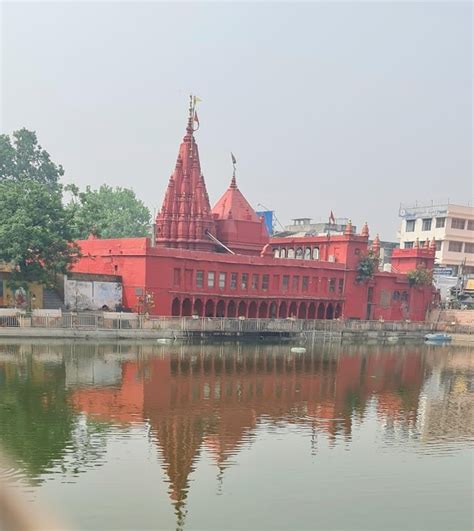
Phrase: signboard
(443,271)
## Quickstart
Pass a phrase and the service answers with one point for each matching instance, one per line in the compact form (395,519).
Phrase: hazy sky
(353,107)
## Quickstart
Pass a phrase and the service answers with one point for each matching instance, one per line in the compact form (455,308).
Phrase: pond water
(240,436)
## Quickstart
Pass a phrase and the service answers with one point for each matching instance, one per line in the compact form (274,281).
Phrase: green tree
(420,276)
(108,213)
(35,227)
(366,267)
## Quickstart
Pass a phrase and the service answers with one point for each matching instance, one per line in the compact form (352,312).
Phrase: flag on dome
(332,219)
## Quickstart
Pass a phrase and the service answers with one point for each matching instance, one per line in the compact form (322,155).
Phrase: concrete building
(450,226)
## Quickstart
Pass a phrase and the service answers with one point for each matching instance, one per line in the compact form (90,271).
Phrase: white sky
(353,107)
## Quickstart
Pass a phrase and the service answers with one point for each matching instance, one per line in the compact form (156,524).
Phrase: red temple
(221,262)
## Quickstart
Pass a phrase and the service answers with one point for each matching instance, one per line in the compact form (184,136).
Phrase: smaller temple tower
(237,224)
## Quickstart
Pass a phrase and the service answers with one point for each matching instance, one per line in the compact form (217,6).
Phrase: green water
(147,436)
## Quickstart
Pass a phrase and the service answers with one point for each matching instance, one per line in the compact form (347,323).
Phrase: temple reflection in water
(198,398)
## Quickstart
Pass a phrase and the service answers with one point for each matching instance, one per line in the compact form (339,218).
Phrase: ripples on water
(121,436)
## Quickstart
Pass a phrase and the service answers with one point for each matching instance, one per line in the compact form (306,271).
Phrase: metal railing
(128,321)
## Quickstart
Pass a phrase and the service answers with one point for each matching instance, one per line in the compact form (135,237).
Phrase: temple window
(305,284)
(244,280)
(315,284)
(254,281)
(299,253)
(340,287)
(286,282)
(276,282)
(316,253)
(307,253)
(396,296)
(265,281)
(332,285)
(283,253)
(177,276)
(291,253)
(199,279)
(210,279)
(222,278)
(296,283)
(404,296)
(276,253)
(233,281)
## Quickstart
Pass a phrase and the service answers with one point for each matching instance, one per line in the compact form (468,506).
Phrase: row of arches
(300,253)
(255,309)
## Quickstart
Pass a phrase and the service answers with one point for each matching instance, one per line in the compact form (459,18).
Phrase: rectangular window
(286,282)
(458,223)
(438,245)
(244,280)
(210,279)
(254,281)
(410,225)
(440,223)
(469,247)
(177,277)
(324,284)
(332,285)
(296,283)
(384,298)
(408,245)
(222,277)
(265,281)
(276,282)
(470,224)
(305,284)
(233,281)
(315,284)
(455,247)
(199,279)
(340,288)
(426,224)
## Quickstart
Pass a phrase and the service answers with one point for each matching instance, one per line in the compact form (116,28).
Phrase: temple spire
(186,213)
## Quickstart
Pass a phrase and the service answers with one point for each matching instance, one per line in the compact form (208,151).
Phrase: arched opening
(316,253)
(321,311)
(282,253)
(209,310)
(253,310)
(175,308)
(198,307)
(307,253)
(283,312)
(330,311)
(220,309)
(338,311)
(273,310)
(302,311)
(242,310)
(231,310)
(312,311)
(186,308)
(276,253)
(291,253)
(263,310)
(293,309)
(299,253)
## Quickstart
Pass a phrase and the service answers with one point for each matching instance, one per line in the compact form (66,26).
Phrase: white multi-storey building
(452,228)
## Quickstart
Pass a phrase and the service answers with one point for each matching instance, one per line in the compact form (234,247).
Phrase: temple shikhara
(220,261)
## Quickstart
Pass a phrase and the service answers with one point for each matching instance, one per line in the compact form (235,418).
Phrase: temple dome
(237,224)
